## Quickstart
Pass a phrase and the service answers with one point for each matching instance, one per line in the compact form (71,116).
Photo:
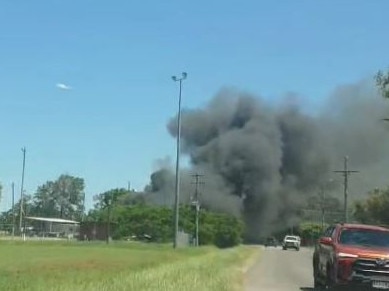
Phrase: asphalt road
(278,270)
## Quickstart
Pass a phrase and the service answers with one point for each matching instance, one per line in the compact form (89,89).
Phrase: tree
(119,196)
(228,231)
(382,82)
(63,198)
(45,200)
(140,219)
(310,232)
(375,209)
(7,216)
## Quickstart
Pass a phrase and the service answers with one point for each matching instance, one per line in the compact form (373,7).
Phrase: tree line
(62,198)
(134,216)
(128,211)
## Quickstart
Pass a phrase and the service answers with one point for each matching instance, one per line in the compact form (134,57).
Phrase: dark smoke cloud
(263,162)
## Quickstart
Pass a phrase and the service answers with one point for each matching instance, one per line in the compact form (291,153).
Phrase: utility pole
(177,188)
(322,197)
(13,210)
(346,172)
(22,192)
(129,186)
(322,206)
(83,207)
(110,203)
(24,221)
(196,203)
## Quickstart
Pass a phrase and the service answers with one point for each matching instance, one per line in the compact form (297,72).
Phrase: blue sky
(119,56)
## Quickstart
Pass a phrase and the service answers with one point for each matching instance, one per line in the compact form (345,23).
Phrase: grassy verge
(76,266)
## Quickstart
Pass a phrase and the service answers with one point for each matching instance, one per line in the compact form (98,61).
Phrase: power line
(346,172)
(196,203)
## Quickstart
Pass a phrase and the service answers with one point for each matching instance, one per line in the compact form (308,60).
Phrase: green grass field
(119,266)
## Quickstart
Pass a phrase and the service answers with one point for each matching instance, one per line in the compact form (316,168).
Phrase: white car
(291,242)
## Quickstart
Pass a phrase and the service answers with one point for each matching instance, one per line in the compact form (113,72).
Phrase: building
(51,227)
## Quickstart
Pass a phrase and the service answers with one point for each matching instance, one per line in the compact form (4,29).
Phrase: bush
(218,229)
(310,232)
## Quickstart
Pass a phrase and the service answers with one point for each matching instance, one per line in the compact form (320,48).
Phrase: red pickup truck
(352,256)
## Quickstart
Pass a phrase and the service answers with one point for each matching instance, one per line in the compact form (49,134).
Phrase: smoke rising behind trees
(263,161)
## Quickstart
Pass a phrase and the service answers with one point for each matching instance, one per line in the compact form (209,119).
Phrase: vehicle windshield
(291,238)
(364,237)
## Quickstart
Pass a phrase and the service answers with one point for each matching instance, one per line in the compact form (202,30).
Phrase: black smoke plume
(263,162)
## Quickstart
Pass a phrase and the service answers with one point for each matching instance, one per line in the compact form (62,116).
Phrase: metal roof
(56,220)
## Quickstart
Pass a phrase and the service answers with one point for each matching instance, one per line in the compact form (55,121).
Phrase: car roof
(363,226)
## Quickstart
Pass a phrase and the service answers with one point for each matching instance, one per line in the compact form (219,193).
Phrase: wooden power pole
(346,172)
(196,203)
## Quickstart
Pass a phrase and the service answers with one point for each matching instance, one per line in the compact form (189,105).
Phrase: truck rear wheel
(317,283)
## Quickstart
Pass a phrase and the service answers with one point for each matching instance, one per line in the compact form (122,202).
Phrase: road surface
(278,270)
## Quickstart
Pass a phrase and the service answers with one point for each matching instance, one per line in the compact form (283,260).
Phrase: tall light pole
(110,202)
(22,192)
(13,210)
(177,190)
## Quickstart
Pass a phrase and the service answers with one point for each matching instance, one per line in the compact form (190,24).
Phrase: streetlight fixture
(177,189)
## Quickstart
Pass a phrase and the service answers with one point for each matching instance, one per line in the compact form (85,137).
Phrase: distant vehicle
(352,256)
(291,242)
(271,242)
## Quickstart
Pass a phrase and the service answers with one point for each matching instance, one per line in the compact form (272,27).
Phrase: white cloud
(63,86)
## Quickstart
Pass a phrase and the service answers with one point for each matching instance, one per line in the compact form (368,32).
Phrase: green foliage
(382,82)
(311,231)
(221,230)
(62,198)
(228,232)
(308,231)
(139,219)
(118,196)
(7,216)
(375,209)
